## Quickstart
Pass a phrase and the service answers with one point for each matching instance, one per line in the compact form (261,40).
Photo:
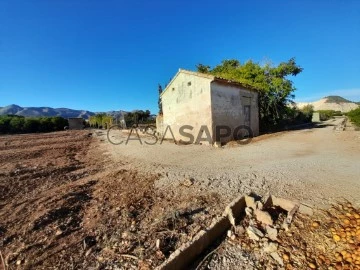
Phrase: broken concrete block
(271,232)
(283,203)
(254,233)
(250,202)
(266,200)
(263,217)
(235,209)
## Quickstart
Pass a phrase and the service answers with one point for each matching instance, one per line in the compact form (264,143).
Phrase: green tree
(202,68)
(31,125)
(17,124)
(308,111)
(273,83)
(159,100)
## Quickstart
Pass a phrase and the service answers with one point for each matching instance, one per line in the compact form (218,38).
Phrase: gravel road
(316,166)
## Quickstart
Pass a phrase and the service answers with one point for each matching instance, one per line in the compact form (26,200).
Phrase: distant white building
(198,100)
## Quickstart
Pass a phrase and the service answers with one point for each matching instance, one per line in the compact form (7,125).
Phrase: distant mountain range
(48,111)
(335,103)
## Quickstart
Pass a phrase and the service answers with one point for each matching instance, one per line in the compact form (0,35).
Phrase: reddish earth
(64,204)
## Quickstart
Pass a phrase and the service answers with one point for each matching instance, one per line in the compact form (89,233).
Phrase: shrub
(326,114)
(354,116)
(19,124)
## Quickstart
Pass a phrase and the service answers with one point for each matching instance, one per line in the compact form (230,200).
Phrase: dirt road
(316,166)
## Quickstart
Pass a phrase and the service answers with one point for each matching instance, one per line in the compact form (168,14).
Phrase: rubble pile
(274,234)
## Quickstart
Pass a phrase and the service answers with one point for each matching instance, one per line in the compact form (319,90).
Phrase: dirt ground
(316,166)
(73,200)
(66,205)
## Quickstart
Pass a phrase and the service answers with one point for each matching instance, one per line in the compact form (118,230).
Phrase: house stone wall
(228,103)
(186,101)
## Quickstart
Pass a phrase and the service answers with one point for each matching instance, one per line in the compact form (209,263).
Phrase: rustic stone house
(207,104)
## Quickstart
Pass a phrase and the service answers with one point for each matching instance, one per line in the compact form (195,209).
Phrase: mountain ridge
(14,109)
(335,103)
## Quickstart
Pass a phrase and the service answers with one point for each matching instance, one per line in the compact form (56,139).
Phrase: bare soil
(66,205)
(72,200)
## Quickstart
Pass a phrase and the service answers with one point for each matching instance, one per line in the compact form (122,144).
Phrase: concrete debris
(258,215)
(271,233)
(249,211)
(270,247)
(266,201)
(283,203)
(250,202)
(259,205)
(239,230)
(263,217)
(254,233)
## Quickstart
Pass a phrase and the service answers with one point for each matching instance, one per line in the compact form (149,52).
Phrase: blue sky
(110,55)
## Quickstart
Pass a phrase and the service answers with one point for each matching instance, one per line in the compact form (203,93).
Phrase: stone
(239,230)
(250,201)
(270,247)
(271,233)
(188,182)
(157,244)
(259,205)
(18,262)
(277,258)
(254,233)
(263,217)
(217,144)
(291,213)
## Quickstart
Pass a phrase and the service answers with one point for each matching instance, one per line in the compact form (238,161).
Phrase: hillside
(335,103)
(337,99)
(44,111)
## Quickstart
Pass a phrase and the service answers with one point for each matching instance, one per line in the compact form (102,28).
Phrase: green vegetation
(328,114)
(273,83)
(354,116)
(293,116)
(101,120)
(159,99)
(10,124)
(138,117)
(337,99)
